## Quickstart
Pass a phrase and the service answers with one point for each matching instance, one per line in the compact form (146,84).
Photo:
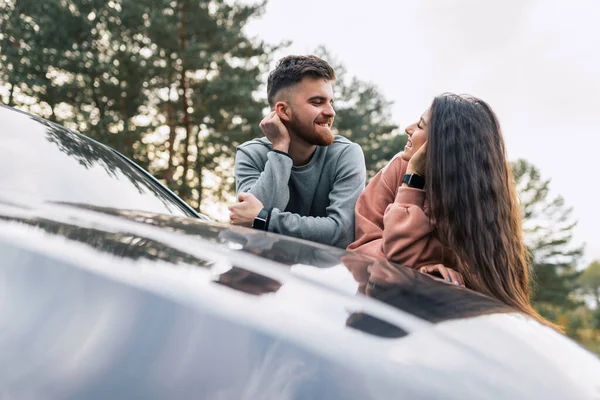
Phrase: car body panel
(47,161)
(103,302)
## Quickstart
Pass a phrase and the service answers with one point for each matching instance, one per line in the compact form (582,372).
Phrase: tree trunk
(199,167)
(199,172)
(11,95)
(171,122)
(52,114)
(184,99)
(127,134)
(99,104)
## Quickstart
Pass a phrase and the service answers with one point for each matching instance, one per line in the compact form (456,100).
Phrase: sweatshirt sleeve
(370,209)
(269,185)
(407,238)
(336,228)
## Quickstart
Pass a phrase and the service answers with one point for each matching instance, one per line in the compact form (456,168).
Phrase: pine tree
(363,115)
(548,231)
(171,84)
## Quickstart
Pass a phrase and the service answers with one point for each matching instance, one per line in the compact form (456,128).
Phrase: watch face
(259,223)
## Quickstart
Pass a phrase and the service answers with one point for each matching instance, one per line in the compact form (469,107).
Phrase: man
(300,180)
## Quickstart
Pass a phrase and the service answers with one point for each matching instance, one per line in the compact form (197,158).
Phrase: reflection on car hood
(338,269)
(57,164)
(389,323)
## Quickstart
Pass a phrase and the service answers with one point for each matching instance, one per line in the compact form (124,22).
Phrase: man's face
(311,111)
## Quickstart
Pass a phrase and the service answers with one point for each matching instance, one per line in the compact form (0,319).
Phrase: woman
(456,210)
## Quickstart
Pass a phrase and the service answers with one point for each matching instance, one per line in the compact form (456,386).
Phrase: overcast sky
(537,62)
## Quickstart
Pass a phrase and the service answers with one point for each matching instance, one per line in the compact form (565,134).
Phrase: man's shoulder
(256,146)
(341,141)
(345,154)
(341,145)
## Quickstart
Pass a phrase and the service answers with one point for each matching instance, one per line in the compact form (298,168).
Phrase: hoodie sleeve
(407,238)
(392,222)
(370,209)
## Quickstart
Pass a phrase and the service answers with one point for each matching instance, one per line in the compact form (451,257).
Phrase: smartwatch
(414,181)
(261,221)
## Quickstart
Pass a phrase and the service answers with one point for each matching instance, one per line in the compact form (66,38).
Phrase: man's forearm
(332,230)
(269,186)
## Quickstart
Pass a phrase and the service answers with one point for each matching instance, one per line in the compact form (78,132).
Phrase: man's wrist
(284,147)
(261,221)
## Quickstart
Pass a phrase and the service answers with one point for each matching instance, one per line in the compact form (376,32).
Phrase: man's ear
(282,109)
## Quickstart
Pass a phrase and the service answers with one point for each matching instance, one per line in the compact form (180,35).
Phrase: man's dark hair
(291,69)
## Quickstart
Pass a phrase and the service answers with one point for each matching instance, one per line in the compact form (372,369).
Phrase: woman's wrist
(410,170)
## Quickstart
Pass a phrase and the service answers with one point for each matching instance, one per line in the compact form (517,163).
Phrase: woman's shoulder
(391,175)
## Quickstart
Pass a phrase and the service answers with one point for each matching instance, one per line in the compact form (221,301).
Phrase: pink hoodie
(392,222)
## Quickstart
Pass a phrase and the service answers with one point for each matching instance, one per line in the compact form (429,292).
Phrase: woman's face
(417,135)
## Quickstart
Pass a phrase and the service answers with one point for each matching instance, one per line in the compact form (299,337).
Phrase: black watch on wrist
(414,181)
(261,221)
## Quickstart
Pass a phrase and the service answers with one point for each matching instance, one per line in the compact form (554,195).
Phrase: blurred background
(176,85)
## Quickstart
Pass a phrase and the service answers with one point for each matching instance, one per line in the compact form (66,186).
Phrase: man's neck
(301,152)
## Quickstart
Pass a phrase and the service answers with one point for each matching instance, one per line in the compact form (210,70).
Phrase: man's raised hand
(274,129)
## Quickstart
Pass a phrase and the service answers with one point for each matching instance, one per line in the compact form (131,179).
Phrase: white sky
(537,62)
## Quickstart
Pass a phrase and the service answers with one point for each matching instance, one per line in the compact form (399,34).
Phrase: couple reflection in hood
(403,288)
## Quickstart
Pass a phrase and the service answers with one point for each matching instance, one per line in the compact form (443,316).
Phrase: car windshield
(50,163)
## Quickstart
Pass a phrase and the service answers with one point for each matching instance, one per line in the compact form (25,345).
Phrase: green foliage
(590,284)
(363,115)
(576,320)
(596,318)
(169,83)
(86,57)
(548,230)
(27,50)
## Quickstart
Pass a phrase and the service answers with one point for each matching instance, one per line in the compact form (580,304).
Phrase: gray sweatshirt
(313,201)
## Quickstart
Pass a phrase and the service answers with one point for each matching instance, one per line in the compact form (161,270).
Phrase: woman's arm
(407,238)
(370,209)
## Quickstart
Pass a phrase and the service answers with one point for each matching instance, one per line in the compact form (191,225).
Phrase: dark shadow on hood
(420,294)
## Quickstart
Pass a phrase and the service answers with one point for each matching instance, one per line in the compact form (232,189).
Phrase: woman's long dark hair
(473,201)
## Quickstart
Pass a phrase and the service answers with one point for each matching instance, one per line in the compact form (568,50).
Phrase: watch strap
(414,180)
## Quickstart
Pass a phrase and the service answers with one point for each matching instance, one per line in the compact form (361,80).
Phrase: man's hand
(418,162)
(272,127)
(244,212)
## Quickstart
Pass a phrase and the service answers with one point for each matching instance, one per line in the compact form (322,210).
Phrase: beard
(310,133)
